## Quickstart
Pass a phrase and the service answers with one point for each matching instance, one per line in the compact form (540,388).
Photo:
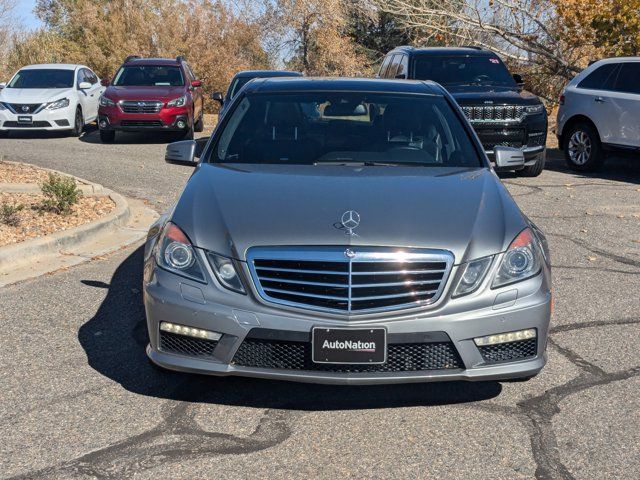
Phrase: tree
(313,36)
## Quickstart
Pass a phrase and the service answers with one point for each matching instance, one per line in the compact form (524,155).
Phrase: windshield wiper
(357,163)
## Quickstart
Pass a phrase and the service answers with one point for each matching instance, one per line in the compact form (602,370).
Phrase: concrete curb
(26,252)
(92,190)
(85,184)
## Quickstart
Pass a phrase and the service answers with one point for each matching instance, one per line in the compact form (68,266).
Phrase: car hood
(231,209)
(34,95)
(480,95)
(144,93)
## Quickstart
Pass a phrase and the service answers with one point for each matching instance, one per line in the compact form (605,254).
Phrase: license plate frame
(25,119)
(349,354)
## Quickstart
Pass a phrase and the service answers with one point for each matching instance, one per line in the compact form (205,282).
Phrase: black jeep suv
(494,101)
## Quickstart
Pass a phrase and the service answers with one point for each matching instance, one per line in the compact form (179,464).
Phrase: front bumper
(171,298)
(167,119)
(60,119)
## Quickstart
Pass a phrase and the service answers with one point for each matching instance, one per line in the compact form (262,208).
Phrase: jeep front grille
(349,280)
(494,113)
(140,106)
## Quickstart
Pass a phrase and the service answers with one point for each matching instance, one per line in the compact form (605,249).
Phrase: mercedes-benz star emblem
(25,108)
(349,253)
(350,221)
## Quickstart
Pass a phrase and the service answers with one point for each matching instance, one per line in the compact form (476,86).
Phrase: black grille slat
(31,107)
(181,344)
(141,123)
(494,113)
(401,357)
(370,279)
(35,124)
(511,351)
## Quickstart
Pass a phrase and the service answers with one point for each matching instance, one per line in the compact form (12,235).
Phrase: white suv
(50,97)
(600,111)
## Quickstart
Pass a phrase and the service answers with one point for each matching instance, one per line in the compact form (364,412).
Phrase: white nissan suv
(600,112)
(50,97)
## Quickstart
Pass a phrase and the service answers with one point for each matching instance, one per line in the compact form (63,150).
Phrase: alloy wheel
(580,147)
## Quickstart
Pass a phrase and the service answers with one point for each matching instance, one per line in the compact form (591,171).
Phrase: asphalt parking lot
(80,400)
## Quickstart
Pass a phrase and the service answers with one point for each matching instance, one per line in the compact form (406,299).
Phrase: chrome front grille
(140,106)
(349,280)
(494,113)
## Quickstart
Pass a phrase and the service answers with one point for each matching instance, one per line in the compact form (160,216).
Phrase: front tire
(535,169)
(107,136)
(78,124)
(582,148)
(188,134)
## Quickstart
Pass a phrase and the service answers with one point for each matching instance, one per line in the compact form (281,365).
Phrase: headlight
(106,102)
(522,260)
(472,276)
(534,109)
(176,254)
(62,103)
(177,102)
(226,272)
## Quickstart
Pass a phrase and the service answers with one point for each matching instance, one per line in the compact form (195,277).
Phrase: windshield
(149,76)
(478,70)
(345,128)
(42,78)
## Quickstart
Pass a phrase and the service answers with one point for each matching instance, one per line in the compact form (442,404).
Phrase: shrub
(9,214)
(61,193)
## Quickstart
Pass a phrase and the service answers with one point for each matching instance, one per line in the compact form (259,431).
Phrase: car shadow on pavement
(115,339)
(92,135)
(616,167)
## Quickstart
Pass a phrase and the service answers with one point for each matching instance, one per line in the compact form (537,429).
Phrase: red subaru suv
(152,94)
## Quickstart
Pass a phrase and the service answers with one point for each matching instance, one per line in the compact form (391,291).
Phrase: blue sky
(24,11)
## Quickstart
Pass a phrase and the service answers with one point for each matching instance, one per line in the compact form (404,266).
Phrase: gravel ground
(79,399)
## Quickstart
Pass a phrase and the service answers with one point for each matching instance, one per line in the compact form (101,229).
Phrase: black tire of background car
(535,169)
(107,136)
(199,125)
(596,159)
(188,134)
(78,124)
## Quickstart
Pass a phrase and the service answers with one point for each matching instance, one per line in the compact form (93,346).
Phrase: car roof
(443,51)
(267,73)
(56,66)
(153,61)
(323,84)
(616,60)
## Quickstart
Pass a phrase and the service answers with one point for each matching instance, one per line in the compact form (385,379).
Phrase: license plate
(349,345)
(25,119)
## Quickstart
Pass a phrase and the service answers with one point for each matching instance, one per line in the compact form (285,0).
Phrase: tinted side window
(90,76)
(393,67)
(403,66)
(385,64)
(629,78)
(601,78)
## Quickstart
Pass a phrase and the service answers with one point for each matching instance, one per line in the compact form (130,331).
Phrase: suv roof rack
(131,57)
(180,58)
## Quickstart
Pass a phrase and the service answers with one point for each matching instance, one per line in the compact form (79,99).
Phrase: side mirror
(196,84)
(508,158)
(105,82)
(84,85)
(2,85)
(217,96)
(182,153)
(518,79)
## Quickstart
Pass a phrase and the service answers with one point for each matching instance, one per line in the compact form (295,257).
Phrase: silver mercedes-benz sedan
(346,231)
